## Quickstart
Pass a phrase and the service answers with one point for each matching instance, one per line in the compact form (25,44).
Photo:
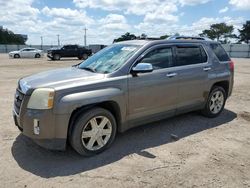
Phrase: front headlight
(42,98)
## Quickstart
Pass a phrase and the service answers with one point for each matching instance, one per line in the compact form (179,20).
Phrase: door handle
(207,68)
(171,74)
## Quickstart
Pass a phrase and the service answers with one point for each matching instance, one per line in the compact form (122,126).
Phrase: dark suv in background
(124,85)
(69,51)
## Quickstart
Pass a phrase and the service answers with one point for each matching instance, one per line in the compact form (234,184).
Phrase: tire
(79,57)
(85,56)
(215,102)
(37,56)
(16,56)
(94,140)
(56,57)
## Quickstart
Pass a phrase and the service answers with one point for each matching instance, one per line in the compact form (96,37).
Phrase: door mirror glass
(142,68)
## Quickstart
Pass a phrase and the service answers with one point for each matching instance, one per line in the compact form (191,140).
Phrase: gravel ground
(209,152)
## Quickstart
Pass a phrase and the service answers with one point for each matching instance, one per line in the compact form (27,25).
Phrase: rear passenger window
(219,52)
(159,58)
(188,55)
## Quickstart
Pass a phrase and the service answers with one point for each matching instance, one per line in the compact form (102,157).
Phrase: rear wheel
(93,131)
(37,56)
(16,56)
(215,102)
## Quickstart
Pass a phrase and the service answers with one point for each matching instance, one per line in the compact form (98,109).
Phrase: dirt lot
(209,153)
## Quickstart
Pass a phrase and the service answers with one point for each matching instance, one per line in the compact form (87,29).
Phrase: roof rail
(187,38)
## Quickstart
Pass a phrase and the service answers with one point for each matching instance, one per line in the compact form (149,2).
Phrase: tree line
(219,31)
(8,37)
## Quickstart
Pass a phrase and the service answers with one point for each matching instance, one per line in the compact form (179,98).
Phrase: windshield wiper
(88,69)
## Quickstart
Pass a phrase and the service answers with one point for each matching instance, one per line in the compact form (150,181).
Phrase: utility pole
(41,42)
(58,40)
(85,36)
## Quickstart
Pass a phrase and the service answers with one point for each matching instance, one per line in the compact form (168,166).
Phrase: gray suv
(122,86)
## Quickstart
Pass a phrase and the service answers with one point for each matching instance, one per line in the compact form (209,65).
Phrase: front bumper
(49,55)
(53,129)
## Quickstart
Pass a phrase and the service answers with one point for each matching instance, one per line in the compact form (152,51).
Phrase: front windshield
(109,59)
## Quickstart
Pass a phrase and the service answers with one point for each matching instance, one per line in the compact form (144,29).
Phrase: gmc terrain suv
(69,51)
(122,86)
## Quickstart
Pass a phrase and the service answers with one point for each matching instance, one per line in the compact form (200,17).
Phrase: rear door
(156,92)
(192,70)
(32,52)
(24,52)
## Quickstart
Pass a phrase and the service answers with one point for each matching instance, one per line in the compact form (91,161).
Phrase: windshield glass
(109,59)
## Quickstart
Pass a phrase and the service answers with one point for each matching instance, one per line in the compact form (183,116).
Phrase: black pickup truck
(69,51)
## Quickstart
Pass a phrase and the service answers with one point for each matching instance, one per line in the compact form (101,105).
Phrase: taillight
(231,65)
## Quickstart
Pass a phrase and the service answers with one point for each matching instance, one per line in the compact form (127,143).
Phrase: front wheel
(93,131)
(215,102)
(85,56)
(16,56)
(56,57)
(37,56)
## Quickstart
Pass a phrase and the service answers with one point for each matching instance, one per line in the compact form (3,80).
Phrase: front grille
(19,96)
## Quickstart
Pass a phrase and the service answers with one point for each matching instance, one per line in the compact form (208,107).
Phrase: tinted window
(220,52)
(67,47)
(203,55)
(187,55)
(159,58)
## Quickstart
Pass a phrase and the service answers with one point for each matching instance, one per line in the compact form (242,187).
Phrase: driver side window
(160,58)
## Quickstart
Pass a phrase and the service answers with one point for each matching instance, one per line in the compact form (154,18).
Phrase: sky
(109,19)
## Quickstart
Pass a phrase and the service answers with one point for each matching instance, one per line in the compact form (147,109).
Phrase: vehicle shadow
(45,163)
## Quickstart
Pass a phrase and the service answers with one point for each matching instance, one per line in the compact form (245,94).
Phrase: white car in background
(26,52)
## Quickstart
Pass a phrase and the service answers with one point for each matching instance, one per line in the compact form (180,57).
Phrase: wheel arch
(224,84)
(111,106)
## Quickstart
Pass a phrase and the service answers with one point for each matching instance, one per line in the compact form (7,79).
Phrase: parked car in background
(120,87)
(69,51)
(27,52)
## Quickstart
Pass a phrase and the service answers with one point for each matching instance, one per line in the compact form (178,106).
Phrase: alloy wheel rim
(96,133)
(216,102)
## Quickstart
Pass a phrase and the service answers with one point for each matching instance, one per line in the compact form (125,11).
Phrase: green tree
(219,31)
(245,33)
(126,36)
(143,36)
(8,37)
(164,36)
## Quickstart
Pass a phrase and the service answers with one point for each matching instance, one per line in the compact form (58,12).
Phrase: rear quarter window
(220,53)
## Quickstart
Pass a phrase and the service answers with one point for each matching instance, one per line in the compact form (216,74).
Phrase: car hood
(13,52)
(54,49)
(64,77)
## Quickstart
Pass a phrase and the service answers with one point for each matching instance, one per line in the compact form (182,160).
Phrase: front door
(156,92)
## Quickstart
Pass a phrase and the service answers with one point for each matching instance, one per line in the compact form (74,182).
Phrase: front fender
(68,103)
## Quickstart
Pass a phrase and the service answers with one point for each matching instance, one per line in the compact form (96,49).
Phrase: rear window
(190,54)
(219,52)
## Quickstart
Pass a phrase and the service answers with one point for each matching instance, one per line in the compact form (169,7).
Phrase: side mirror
(142,68)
